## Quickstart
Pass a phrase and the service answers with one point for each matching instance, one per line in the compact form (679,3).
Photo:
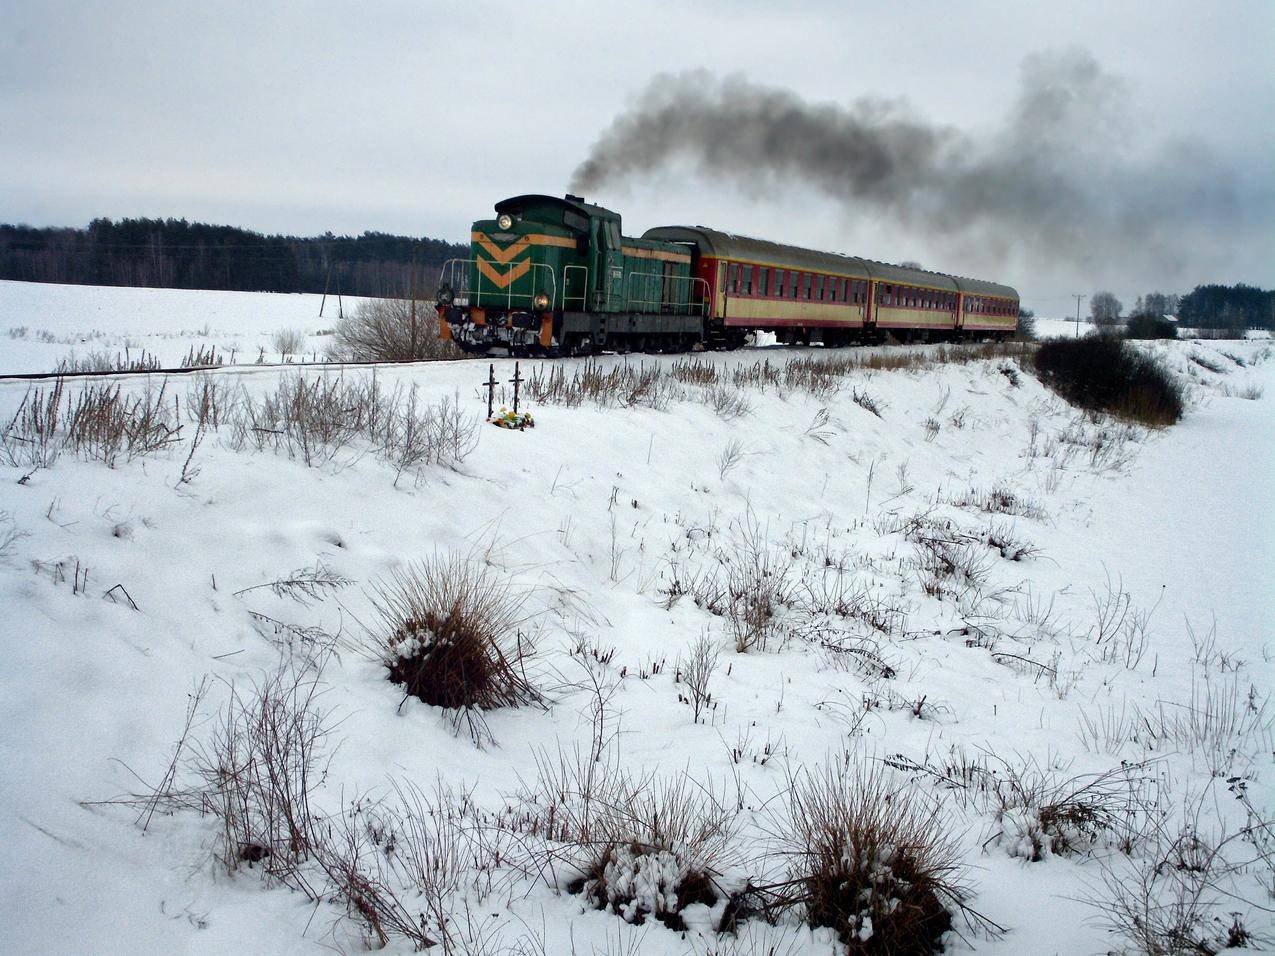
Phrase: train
(555,277)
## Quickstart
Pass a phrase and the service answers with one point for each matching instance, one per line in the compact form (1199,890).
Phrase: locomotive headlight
(505,221)
(541,301)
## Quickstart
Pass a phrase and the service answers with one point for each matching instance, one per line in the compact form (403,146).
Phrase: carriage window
(793,285)
(807,280)
(781,282)
(763,284)
(732,281)
(746,280)
(819,288)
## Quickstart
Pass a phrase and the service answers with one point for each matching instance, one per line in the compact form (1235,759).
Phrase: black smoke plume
(1067,174)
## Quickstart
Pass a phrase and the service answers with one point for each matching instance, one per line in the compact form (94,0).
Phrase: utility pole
(412,284)
(1078,298)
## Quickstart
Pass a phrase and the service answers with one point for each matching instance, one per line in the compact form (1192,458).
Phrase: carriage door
(611,267)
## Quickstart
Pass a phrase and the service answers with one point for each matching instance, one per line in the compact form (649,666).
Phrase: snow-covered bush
(874,861)
(453,634)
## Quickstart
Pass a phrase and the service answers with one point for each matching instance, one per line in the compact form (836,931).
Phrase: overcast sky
(415,117)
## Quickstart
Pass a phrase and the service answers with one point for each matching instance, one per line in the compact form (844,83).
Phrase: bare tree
(1105,309)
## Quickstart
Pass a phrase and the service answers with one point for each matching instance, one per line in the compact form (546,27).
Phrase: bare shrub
(1251,392)
(949,563)
(315,419)
(730,456)
(9,534)
(399,866)
(203,356)
(872,860)
(639,847)
(31,438)
(1004,538)
(1042,813)
(750,585)
(999,499)
(729,403)
(288,342)
(100,422)
(453,634)
(1224,721)
(255,771)
(694,674)
(390,330)
(1185,896)
(104,362)
(866,401)
(264,761)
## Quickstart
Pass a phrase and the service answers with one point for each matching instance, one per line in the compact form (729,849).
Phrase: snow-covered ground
(42,324)
(1075,659)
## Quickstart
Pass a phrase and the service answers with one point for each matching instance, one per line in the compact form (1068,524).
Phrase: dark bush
(1106,374)
(1150,327)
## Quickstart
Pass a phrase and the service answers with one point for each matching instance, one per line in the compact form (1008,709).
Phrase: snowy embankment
(43,324)
(970,588)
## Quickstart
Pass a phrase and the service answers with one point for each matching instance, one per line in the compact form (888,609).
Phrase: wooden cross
(514,382)
(491,388)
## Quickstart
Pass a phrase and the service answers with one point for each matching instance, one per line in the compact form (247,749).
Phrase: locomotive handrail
(447,276)
(676,306)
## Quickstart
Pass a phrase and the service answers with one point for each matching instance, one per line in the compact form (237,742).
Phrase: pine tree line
(175,253)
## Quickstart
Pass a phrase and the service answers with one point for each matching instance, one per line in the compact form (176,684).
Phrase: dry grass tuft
(639,847)
(452,634)
(873,861)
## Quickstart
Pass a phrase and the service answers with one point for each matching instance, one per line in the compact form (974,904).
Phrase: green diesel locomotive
(553,276)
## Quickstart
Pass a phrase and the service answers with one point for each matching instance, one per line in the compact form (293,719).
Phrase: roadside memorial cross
(491,388)
(514,382)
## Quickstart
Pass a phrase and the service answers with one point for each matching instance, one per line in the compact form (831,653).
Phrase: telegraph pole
(1078,298)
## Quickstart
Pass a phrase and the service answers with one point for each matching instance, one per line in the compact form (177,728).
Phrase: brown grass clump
(872,861)
(452,635)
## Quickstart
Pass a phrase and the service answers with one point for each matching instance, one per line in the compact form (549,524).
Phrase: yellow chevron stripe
(521,244)
(502,280)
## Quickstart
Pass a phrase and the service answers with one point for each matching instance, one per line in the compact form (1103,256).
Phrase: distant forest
(176,254)
(1228,307)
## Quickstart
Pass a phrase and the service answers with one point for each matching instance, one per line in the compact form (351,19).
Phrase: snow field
(971,584)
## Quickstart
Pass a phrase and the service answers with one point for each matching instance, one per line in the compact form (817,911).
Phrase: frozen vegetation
(764,652)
